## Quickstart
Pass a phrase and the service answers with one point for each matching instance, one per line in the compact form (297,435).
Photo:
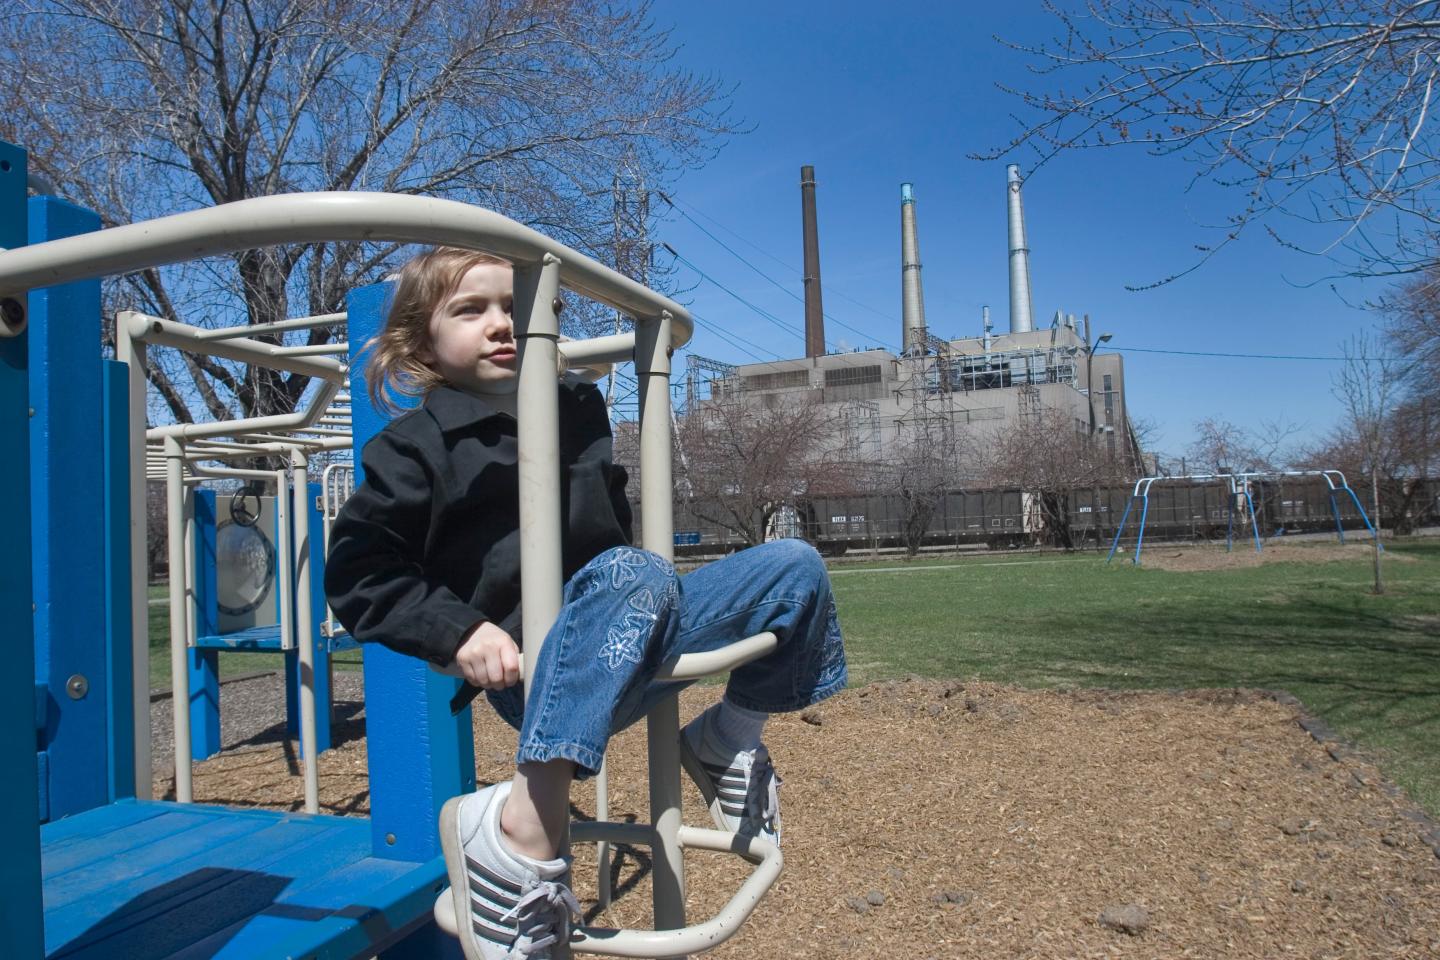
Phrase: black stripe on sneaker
(504,938)
(491,911)
(492,878)
(492,897)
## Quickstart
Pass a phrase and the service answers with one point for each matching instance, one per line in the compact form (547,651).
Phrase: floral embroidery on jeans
(624,566)
(625,641)
(622,645)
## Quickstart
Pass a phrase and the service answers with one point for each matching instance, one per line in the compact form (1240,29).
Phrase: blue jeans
(626,612)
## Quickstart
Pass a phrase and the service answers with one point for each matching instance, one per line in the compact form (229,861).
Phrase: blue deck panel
(144,880)
(193,848)
(267,638)
(253,638)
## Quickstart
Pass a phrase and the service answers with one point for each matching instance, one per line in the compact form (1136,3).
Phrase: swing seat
(695,938)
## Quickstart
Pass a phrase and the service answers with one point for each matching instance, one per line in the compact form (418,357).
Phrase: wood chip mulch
(1198,557)
(950,819)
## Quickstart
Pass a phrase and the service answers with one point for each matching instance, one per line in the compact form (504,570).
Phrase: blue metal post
(1335,509)
(1120,529)
(1254,520)
(419,755)
(68,560)
(324,666)
(21,910)
(1363,515)
(204,665)
(119,659)
(1144,512)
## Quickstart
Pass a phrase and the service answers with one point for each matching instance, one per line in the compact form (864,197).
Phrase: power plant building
(956,394)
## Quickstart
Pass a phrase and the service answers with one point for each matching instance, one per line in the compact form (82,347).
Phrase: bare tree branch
(139,108)
(1316,113)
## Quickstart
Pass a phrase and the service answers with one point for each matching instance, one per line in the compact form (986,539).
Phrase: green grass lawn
(1368,665)
(231,664)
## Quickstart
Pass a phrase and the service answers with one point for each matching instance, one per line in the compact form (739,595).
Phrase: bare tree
(138,108)
(1412,326)
(1222,447)
(1050,461)
(1315,112)
(1410,441)
(921,467)
(1366,384)
(745,458)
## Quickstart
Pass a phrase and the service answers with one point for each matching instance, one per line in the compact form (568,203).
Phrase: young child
(424,558)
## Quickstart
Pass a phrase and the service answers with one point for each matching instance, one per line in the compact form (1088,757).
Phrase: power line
(1255,356)
(762,312)
(784,289)
(713,328)
(756,247)
(737,344)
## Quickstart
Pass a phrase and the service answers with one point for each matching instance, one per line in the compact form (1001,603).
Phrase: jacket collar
(455,409)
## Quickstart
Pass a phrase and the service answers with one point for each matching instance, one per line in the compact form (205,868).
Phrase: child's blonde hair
(421,285)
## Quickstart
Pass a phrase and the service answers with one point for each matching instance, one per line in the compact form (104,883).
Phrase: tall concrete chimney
(1021,319)
(814,312)
(912,296)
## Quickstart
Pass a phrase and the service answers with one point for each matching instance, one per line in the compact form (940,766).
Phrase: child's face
(471,337)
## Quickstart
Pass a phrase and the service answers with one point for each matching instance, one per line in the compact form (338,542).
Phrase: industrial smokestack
(1021,319)
(912,297)
(814,312)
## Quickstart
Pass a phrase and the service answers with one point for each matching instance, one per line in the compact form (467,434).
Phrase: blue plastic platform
(266,638)
(148,880)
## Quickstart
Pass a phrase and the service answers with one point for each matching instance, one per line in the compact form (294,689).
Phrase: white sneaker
(517,906)
(741,788)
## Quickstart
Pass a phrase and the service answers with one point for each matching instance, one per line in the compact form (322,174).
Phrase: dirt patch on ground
(934,819)
(1214,556)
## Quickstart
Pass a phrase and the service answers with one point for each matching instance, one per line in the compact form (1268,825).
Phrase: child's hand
(488,658)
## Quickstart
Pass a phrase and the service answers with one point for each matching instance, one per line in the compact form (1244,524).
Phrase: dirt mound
(935,819)
(1214,556)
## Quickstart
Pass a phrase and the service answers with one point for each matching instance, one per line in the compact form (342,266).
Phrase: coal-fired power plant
(912,296)
(814,312)
(1022,320)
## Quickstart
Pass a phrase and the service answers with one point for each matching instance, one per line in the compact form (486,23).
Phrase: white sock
(737,728)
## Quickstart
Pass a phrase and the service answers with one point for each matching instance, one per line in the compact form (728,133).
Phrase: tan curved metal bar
(320,217)
(689,666)
(698,937)
(693,666)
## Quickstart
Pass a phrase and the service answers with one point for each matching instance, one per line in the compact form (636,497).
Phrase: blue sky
(874,96)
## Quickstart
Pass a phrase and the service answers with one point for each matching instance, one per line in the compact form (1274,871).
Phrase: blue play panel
(143,880)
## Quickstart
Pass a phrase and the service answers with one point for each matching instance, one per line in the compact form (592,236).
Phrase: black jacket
(429,545)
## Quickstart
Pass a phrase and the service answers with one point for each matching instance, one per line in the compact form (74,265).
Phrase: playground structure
(100,869)
(1239,485)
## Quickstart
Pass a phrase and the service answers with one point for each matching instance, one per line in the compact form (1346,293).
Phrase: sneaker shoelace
(761,779)
(543,916)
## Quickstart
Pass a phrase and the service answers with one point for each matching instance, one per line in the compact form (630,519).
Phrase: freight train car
(1008,518)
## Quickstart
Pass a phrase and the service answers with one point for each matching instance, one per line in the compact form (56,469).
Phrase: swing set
(1238,487)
